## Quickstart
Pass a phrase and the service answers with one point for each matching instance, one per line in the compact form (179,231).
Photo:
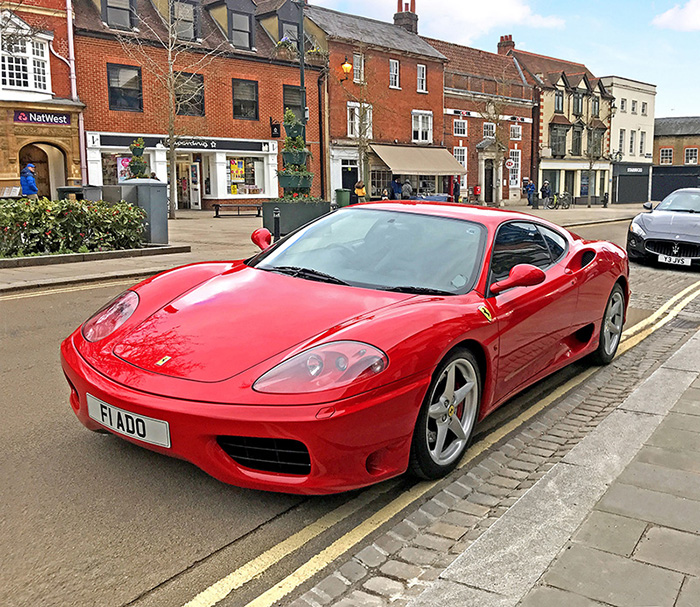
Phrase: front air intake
(280,455)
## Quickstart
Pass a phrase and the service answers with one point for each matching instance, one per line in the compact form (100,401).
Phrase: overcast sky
(655,42)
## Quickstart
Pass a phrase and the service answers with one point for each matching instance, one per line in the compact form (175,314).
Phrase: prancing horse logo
(486,312)
(163,360)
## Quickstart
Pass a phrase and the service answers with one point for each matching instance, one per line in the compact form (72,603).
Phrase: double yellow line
(221,589)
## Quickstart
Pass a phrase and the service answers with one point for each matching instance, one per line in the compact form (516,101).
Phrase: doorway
(488,181)
(49,167)
(569,181)
(184,200)
(350,176)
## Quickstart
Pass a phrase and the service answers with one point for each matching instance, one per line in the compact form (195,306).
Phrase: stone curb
(47,260)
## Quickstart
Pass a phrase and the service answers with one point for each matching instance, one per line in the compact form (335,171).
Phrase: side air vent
(587,257)
(280,455)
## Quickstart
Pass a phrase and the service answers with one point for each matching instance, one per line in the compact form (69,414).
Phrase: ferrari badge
(163,360)
(486,312)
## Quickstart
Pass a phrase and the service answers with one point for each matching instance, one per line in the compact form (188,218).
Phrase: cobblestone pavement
(404,558)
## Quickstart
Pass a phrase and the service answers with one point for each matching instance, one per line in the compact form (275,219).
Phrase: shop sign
(635,170)
(29,117)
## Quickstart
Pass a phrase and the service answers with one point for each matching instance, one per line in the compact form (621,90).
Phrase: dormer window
(185,21)
(595,107)
(559,101)
(289,30)
(578,104)
(241,30)
(118,13)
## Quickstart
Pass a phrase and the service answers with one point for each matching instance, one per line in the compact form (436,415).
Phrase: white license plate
(145,429)
(676,261)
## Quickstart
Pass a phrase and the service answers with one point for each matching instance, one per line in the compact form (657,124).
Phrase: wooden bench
(238,207)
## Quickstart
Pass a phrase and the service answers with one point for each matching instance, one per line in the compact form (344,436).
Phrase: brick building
(233,87)
(39,107)
(573,130)
(488,120)
(385,116)
(676,145)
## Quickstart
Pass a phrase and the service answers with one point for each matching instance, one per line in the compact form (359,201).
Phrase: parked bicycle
(556,201)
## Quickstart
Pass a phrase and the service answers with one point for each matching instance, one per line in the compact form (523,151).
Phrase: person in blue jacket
(28,182)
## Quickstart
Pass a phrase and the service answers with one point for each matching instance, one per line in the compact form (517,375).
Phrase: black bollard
(276,224)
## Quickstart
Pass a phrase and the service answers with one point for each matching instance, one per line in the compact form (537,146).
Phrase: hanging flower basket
(295,130)
(297,157)
(295,181)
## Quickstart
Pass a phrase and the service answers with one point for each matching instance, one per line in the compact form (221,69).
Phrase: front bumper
(365,440)
(650,247)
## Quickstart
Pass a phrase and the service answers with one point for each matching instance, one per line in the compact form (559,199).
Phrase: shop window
(25,65)
(115,167)
(691,155)
(380,180)
(427,185)
(245,176)
(189,94)
(118,14)
(186,20)
(241,30)
(422,127)
(245,99)
(666,156)
(124,87)
(292,100)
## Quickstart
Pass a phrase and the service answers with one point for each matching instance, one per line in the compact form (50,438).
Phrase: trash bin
(342,197)
(70,192)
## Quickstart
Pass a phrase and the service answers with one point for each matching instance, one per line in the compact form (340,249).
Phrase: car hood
(671,224)
(240,319)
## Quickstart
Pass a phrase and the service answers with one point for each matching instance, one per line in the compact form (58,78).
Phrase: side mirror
(648,206)
(262,237)
(522,275)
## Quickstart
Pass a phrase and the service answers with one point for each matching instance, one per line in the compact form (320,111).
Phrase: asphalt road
(88,519)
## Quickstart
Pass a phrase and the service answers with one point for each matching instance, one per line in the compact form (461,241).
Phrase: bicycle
(556,201)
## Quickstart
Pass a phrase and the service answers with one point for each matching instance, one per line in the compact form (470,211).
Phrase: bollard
(334,206)
(276,224)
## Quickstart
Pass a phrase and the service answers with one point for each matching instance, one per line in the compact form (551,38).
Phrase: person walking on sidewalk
(360,192)
(27,181)
(406,190)
(529,191)
(546,191)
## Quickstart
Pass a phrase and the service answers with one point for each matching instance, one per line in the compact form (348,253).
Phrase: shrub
(43,227)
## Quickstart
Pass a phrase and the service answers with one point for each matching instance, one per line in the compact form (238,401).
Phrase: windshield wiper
(418,290)
(684,210)
(308,273)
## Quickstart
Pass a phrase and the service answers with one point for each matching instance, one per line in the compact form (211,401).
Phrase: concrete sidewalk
(616,522)
(228,238)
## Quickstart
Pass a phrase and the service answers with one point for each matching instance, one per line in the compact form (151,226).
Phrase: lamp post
(347,68)
(302,60)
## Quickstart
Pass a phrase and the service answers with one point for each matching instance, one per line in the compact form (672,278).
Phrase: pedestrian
(395,188)
(27,181)
(545,190)
(360,192)
(153,176)
(529,191)
(385,194)
(406,190)
(456,187)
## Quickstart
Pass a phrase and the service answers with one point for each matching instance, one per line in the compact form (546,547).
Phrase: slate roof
(269,6)
(370,32)
(541,64)
(689,125)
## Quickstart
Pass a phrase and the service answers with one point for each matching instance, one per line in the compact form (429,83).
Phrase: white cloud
(456,20)
(681,18)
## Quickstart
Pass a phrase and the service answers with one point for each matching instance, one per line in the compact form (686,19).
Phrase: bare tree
(594,130)
(168,50)
(11,33)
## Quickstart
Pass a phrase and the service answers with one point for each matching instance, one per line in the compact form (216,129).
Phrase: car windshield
(380,249)
(682,201)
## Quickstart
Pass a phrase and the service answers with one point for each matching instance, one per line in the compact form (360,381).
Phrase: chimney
(406,17)
(506,45)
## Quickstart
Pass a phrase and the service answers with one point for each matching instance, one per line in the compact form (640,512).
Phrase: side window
(516,243)
(555,241)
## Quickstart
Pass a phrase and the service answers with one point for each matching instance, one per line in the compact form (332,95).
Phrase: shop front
(208,171)
(45,135)
(631,182)
(577,178)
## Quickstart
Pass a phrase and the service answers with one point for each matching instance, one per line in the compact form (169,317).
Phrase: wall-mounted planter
(297,157)
(295,181)
(295,130)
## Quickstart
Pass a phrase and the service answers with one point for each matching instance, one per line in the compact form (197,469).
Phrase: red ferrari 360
(366,344)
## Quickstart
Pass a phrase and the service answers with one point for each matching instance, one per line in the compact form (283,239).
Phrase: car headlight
(110,316)
(323,367)
(635,228)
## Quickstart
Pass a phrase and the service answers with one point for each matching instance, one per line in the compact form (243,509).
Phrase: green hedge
(44,227)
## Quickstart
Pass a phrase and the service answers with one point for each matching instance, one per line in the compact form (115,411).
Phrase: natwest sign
(31,117)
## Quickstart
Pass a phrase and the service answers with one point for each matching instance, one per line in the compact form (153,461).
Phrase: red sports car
(365,344)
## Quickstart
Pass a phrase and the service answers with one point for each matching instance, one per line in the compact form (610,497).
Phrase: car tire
(446,420)
(611,327)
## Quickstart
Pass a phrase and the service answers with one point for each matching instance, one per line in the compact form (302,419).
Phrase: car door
(533,321)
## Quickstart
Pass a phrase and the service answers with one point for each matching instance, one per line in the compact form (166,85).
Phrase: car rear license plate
(676,261)
(145,429)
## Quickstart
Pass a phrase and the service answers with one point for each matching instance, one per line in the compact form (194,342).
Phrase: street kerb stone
(687,358)
(662,386)
(445,592)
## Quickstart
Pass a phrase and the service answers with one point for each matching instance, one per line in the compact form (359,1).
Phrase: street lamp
(347,68)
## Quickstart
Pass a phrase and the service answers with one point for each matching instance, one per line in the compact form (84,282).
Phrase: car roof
(488,216)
